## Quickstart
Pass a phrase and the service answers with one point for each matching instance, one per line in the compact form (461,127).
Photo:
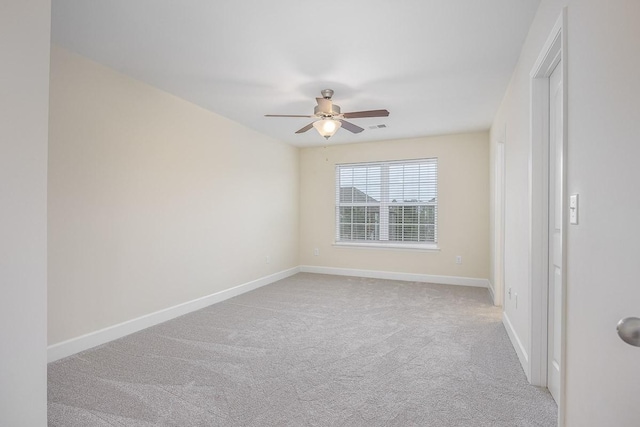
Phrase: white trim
(550,56)
(517,343)
(492,291)
(499,216)
(552,53)
(102,336)
(428,247)
(538,229)
(565,220)
(390,275)
(427,178)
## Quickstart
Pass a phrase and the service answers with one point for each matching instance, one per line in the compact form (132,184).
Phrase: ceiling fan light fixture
(328,118)
(327,127)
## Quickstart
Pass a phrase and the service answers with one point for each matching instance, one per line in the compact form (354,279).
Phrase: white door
(555,232)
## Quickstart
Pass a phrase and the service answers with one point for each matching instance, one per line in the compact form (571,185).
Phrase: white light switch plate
(573,209)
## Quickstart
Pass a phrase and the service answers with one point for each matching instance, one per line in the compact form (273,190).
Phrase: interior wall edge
(25,34)
(492,291)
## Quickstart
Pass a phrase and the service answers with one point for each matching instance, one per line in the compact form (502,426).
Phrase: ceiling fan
(330,119)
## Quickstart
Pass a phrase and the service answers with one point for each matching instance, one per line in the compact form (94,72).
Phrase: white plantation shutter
(387,202)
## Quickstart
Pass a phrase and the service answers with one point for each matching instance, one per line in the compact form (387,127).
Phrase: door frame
(499,173)
(553,51)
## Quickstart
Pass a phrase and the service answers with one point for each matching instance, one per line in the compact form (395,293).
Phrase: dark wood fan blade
(351,127)
(285,115)
(362,114)
(324,104)
(306,128)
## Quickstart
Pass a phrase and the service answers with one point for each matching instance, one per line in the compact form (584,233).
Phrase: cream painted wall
(602,372)
(463,210)
(24,94)
(154,201)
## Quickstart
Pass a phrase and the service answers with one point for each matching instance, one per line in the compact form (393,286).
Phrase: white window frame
(384,204)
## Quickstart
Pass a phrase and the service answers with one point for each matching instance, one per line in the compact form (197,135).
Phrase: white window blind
(387,202)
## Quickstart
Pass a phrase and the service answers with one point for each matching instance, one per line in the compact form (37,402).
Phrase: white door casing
(556,243)
(498,235)
(541,219)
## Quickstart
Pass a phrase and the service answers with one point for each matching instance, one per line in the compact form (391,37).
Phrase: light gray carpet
(310,350)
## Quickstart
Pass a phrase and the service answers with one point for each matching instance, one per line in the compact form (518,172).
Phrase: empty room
(414,213)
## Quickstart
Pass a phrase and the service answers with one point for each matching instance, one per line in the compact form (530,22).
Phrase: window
(390,203)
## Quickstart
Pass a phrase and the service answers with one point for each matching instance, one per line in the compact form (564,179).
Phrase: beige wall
(463,210)
(24,94)
(154,201)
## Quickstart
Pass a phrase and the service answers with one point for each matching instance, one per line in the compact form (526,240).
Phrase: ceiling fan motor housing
(335,110)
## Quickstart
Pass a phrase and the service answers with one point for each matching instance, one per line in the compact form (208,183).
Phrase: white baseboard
(492,292)
(517,344)
(390,275)
(102,336)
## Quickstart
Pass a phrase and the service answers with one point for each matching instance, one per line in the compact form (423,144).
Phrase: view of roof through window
(363,184)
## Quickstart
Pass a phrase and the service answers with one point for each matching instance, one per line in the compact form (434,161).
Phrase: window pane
(374,185)
(345,214)
(373,214)
(411,214)
(345,231)
(395,215)
(395,232)
(406,189)
(346,194)
(427,215)
(410,233)
(359,196)
(395,188)
(422,229)
(372,231)
(430,233)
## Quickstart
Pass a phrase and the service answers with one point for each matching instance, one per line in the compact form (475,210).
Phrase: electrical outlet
(316,252)
(267,259)
(458,259)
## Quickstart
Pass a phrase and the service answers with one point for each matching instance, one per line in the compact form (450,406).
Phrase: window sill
(429,247)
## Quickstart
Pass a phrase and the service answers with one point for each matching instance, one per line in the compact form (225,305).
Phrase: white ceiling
(438,66)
